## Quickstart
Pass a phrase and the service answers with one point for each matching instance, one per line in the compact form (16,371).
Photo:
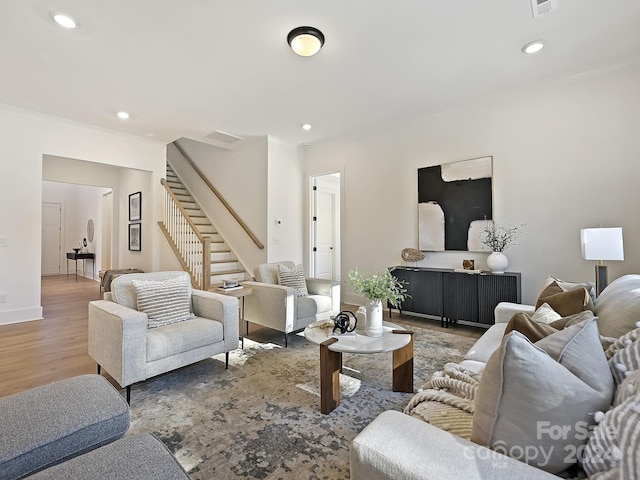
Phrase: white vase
(374,318)
(497,262)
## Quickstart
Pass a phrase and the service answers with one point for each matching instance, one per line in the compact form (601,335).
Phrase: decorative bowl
(77,250)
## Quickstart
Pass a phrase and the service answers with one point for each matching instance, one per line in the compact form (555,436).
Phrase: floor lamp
(601,244)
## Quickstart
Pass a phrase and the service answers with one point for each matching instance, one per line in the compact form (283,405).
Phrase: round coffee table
(394,339)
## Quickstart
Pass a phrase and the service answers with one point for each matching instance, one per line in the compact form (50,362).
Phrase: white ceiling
(186,68)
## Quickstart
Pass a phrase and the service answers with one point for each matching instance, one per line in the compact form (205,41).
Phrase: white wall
(26,138)
(564,158)
(286,202)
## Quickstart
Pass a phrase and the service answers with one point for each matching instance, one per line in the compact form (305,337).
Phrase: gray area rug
(261,418)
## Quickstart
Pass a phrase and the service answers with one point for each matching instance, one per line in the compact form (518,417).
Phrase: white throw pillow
(293,277)
(164,302)
(545,314)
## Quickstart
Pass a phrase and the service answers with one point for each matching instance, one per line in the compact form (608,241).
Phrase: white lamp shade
(602,243)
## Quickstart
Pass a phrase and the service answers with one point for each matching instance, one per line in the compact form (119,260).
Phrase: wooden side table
(239,293)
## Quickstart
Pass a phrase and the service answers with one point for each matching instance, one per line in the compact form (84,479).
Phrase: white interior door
(325,236)
(51,238)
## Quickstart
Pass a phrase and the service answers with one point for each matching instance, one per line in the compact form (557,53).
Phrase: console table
(82,256)
(456,296)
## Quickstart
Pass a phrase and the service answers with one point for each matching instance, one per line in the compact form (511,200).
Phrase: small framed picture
(135,237)
(135,207)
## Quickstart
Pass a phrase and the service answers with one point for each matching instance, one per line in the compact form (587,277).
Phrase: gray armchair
(278,307)
(121,342)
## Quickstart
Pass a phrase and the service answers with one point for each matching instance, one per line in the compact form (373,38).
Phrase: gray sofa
(121,342)
(75,429)
(399,446)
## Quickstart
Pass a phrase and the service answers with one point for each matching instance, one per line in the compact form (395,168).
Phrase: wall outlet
(3,297)
(276,240)
(3,241)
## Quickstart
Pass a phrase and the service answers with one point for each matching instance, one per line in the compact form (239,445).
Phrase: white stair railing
(192,249)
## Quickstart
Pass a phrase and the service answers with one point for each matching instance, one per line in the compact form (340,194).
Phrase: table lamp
(601,244)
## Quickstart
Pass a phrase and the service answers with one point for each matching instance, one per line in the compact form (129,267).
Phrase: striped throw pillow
(293,277)
(613,446)
(625,361)
(164,302)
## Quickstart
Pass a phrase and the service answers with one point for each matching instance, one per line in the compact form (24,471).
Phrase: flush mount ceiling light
(123,115)
(64,20)
(306,126)
(305,41)
(533,47)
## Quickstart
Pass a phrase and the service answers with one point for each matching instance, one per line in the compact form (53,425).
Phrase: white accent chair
(121,342)
(278,307)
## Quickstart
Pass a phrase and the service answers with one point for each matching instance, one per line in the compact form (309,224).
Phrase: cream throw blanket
(447,400)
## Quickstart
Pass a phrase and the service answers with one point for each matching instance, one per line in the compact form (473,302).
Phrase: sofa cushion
(312,305)
(183,336)
(567,388)
(618,306)
(293,277)
(613,446)
(486,344)
(49,424)
(164,302)
(140,457)
(564,302)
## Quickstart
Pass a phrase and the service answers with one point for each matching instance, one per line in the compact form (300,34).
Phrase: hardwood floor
(39,352)
(42,351)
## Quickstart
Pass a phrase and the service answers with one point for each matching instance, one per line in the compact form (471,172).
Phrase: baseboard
(21,315)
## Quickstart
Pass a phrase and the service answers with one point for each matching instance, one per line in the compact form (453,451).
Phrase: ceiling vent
(542,7)
(224,137)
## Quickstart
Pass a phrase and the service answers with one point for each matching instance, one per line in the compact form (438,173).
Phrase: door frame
(337,222)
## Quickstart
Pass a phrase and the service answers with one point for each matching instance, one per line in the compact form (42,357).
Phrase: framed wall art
(455,201)
(135,207)
(135,237)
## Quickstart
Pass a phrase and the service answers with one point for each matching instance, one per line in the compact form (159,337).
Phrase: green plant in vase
(377,288)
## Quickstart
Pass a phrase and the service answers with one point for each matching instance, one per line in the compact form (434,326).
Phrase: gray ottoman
(49,424)
(135,457)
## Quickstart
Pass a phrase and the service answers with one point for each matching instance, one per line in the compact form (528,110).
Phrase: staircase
(224,263)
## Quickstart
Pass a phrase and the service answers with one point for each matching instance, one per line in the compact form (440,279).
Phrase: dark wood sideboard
(456,296)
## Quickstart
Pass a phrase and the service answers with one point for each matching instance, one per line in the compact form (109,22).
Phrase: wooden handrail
(220,197)
(182,210)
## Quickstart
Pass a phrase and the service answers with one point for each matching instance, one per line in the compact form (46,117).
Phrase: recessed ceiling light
(306,126)
(533,47)
(305,41)
(64,20)
(123,115)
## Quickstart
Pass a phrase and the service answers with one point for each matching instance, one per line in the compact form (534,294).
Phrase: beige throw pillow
(536,402)
(293,277)
(613,446)
(164,302)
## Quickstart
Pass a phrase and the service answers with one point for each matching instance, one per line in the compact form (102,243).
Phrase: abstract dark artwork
(454,204)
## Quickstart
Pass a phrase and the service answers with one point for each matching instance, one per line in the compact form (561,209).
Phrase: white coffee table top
(388,342)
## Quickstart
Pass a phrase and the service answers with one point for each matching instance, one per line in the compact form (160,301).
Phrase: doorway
(325,227)
(51,238)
